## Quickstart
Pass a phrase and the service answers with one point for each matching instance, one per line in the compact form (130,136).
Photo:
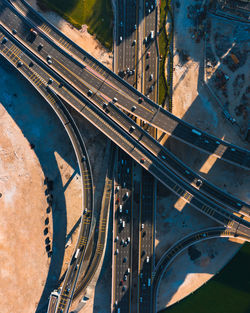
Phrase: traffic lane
(87,112)
(90,60)
(147,217)
(243,158)
(124,178)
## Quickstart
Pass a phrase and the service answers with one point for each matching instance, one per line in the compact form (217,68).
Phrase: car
(121,283)
(126,211)
(134,42)
(147,67)
(40,46)
(144,234)
(140,100)
(85,211)
(145,39)
(146,4)
(117,251)
(142,226)
(142,160)
(135,27)
(116,238)
(121,24)
(125,244)
(120,208)
(141,275)
(67,290)
(83,158)
(49,62)
(50,81)
(131,129)
(124,184)
(125,277)
(198,182)
(151,88)
(31,64)
(115,99)
(122,242)
(152,6)
(148,54)
(147,259)
(120,38)
(128,170)
(20,63)
(120,221)
(117,200)
(124,260)
(163,157)
(141,299)
(149,11)
(128,240)
(128,270)
(124,288)
(116,302)
(123,224)
(143,253)
(151,77)
(14,32)
(90,93)
(4,40)
(104,105)
(127,194)
(133,108)
(117,188)
(76,267)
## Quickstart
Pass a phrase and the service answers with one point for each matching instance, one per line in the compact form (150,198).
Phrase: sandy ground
(175,219)
(26,118)
(80,37)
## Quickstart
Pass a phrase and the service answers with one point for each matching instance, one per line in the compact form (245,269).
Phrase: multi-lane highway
(81,84)
(126,141)
(115,114)
(122,230)
(110,85)
(169,256)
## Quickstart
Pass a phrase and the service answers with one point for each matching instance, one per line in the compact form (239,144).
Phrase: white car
(120,38)
(147,259)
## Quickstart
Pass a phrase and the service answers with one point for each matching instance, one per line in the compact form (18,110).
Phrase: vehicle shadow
(43,130)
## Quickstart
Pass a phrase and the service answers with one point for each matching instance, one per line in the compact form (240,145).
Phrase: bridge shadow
(44,131)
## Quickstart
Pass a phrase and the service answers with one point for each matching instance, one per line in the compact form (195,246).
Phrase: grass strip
(97,14)
(226,292)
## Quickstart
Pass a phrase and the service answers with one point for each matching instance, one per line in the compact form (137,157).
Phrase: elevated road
(101,229)
(121,119)
(132,145)
(169,256)
(103,80)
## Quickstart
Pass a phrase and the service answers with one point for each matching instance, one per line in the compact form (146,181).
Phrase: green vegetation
(165,40)
(227,292)
(97,14)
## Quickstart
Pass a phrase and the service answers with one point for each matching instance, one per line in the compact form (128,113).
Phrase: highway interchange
(86,91)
